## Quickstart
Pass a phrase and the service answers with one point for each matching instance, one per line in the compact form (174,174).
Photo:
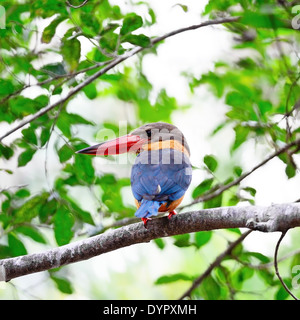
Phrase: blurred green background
(233,89)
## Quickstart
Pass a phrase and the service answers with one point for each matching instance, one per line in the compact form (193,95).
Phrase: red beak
(128,143)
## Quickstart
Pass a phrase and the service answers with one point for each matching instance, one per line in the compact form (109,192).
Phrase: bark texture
(280,217)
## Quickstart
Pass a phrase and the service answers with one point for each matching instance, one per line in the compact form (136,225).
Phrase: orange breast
(163,208)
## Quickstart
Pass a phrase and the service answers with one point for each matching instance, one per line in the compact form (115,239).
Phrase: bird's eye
(148,133)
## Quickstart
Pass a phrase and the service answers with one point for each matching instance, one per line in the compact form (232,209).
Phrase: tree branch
(280,217)
(216,263)
(108,67)
(276,266)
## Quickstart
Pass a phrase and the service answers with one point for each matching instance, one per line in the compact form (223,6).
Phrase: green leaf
(210,289)
(16,246)
(152,16)
(238,171)
(41,100)
(85,216)
(29,135)
(211,78)
(131,22)
(112,197)
(138,40)
(65,153)
(45,135)
(6,87)
(55,69)
(238,250)
(204,186)
(241,275)
(266,276)
(296,260)
(235,99)
(251,190)
(63,284)
(264,106)
(70,51)
(233,200)
(281,293)
(202,238)
(182,240)
(90,91)
(109,42)
(63,223)
(48,209)
(31,232)
(7,171)
(64,126)
(216,202)
(234,230)
(241,106)
(83,169)
(173,277)
(262,20)
(30,209)
(262,258)
(21,106)
(49,31)
(211,162)
(182,6)
(74,118)
(160,243)
(5,252)
(6,152)
(241,135)
(65,120)
(25,157)
(290,170)
(22,193)
(110,27)
(221,274)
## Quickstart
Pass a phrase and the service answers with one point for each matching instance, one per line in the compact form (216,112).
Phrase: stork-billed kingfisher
(162,170)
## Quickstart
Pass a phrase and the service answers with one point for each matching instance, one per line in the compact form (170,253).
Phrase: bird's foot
(145,220)
(171,214)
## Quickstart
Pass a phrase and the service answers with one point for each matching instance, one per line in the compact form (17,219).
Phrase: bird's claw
(145,220)
(171,214)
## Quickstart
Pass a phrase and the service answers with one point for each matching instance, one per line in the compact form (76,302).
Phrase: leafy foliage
(260,88)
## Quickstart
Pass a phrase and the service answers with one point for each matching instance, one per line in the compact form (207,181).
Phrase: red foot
(172,213)
(145,220)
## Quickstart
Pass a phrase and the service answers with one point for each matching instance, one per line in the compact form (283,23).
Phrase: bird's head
(151,136)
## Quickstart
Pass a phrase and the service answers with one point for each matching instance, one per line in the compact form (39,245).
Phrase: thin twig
(56,77)
(276,266)
(268,264)
(46,152)
(194,27)
(216,263)
(210,195)
(76,7)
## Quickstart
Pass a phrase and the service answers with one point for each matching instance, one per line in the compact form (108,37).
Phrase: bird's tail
(148,208)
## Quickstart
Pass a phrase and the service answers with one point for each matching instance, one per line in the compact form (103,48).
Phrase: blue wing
(160,175)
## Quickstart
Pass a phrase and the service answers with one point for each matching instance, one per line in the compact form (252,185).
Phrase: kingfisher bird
(162,171)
